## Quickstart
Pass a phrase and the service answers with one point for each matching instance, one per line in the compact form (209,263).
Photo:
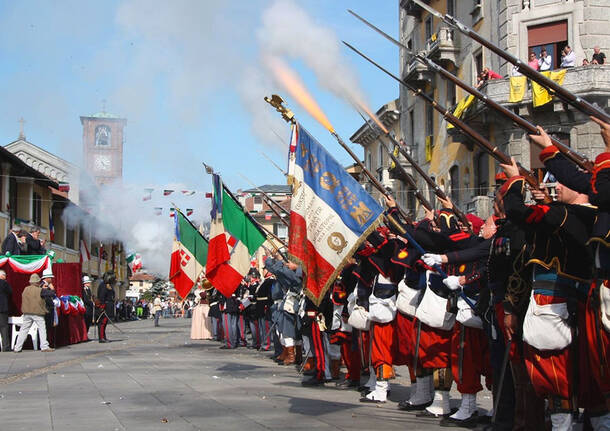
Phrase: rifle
(578,159)
(264,231)
(405,175)
(269,201)
(493,150)
(565,95)
(431,183)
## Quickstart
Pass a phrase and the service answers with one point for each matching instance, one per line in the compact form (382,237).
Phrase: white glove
(431,259)
(452,282)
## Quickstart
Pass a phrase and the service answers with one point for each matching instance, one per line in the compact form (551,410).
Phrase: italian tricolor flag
(233,239)
(189,254)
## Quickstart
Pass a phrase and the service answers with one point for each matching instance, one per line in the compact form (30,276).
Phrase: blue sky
(183,73)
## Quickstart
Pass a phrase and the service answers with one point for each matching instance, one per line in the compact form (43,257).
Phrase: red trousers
(350,354)
(434,347)
(475,359)
(384,346)
(365,349)
(405,334)
(598,345)
(550,371)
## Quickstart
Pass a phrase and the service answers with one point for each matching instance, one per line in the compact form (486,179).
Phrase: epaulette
(548,153)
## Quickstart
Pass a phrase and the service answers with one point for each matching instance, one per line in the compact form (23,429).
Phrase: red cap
(476,223)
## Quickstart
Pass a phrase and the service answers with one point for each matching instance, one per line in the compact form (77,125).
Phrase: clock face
(102,163)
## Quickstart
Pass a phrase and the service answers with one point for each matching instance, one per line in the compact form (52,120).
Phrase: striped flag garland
(148,195)
(172,212)
(188,192)
(189,211)
(158,211)
(64,187)
(167,192)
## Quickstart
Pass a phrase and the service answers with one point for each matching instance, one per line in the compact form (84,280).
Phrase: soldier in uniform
(106,298)
(562,266)
(88,301)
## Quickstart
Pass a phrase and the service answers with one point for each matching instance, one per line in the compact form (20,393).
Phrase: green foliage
(159,287)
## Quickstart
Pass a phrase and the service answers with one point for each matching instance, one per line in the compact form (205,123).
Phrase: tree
(160,287)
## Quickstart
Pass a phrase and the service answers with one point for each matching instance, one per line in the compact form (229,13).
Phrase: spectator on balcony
(568,58)
(598,56)
(486,75)
(14,243)
(34,244)
(545,62)
(533,61)
(585,62)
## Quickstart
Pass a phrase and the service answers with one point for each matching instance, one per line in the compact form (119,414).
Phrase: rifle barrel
(493,150)
(578,159)
(564,94)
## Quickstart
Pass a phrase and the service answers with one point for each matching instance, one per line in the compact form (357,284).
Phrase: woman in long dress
(201,324)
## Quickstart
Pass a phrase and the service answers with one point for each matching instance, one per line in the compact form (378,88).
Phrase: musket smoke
(289,31)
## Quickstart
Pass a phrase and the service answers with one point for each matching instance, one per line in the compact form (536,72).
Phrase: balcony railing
(441,46)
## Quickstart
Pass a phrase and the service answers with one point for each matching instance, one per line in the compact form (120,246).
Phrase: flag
(64,187)
(461,107)
(518,87)
(331,214)
(540,95)
(148,195)
(134,262)
(189,212)
(51,227)
(158,211)
(188,192)
(167,192)
(85,256)
(209,195)
(189,255)
(172,212)
(268,215)
(234,237)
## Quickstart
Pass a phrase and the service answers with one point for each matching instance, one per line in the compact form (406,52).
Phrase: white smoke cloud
(119,213)
(289,31)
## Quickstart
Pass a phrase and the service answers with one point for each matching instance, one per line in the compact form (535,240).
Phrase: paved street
(158,379)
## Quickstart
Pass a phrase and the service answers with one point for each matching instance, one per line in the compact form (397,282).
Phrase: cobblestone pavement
(158,379)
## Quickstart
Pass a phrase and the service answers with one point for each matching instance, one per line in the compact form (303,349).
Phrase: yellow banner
(518,87)
(540,95)
(461,107)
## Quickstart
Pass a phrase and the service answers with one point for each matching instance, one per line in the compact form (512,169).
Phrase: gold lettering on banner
(328,181)
(361,213)
(336,241)
(346,198)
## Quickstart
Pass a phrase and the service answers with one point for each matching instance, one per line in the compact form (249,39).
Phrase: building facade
(459,166)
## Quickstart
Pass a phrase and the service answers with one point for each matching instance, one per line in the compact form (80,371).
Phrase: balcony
(411,8)
(416,73)
(441,46)
(590,82)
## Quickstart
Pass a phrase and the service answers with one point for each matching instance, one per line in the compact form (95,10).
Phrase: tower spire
(21,133)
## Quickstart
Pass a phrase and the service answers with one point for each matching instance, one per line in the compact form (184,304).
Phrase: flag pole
(260,228)
(269,200)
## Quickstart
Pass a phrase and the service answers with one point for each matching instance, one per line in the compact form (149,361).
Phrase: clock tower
(103,146)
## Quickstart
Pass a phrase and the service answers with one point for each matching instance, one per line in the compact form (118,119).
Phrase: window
(70,238)
(478,63)
(482,174)
(454,183)
(428,28)
(451,7)
(429,120)
(367,159)
(411,200)
(37,209)
(102,136)
(411,128)
(450,94)
(552,36)
(280,230)
(380,156)
(258,203)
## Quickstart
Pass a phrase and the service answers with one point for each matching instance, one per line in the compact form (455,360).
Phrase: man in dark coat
(14,242)
(34,245)
(88,301)
(5,297)
(106,296)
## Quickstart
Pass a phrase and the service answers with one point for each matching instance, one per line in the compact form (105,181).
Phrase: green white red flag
(234,237)
(189,254)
